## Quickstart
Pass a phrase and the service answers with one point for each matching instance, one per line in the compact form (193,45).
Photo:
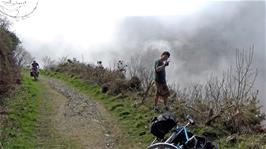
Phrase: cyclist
(35,67)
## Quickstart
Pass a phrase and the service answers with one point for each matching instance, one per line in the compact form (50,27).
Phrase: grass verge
(28,122)
(23,111)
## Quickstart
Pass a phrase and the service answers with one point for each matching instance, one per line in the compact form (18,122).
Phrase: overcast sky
(201,35)
(76,27)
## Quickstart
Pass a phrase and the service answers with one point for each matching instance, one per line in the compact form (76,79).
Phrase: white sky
(86,23)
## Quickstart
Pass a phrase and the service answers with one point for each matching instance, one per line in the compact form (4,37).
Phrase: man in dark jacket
(160,80)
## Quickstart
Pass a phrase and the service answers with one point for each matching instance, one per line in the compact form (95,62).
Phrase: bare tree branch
(23,57)
(12,9)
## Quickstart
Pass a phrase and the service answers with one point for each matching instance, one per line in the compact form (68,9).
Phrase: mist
(200,45)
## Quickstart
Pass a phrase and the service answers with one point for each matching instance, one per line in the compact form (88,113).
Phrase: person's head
(34,61)
(165,55)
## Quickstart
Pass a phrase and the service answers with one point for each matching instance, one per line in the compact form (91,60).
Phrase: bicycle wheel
(162,146)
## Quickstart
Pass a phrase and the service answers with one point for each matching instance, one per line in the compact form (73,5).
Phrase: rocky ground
(83,119)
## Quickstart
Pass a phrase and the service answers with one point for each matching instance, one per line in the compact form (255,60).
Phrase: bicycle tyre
(162,146)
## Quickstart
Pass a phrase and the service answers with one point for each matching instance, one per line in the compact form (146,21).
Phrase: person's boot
(166,108)
(156,109)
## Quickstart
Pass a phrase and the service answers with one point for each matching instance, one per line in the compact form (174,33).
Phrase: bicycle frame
(182,138)
(178,130)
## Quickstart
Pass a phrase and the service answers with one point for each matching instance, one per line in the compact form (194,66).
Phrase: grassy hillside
(18,130)
(135,120)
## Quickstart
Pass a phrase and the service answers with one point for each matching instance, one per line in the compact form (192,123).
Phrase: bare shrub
(134,83)
(62,60)
(230,102)
(112,81)
(23,57)
(48,62)
(137,68)
(118,86)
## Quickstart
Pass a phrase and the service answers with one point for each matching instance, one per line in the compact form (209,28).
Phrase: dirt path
(71,120)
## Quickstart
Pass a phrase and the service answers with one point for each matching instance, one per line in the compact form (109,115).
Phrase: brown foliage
(134,83)
(112,81)
(9,72)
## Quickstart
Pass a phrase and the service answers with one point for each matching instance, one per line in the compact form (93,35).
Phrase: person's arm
(160,68)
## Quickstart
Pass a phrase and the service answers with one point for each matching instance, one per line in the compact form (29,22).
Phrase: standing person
(160,80)
(99,64)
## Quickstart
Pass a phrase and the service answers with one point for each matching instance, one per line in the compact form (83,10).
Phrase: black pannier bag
(162,124)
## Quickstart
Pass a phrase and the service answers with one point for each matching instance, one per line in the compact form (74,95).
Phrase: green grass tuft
(22,116)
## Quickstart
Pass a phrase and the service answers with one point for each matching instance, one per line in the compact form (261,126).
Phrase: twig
(193,109)
(208,122)
(147,91)
(17,9)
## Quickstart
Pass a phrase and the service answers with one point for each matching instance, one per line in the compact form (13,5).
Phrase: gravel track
(83,119)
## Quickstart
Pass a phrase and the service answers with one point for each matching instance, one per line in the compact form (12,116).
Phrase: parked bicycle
(181,137)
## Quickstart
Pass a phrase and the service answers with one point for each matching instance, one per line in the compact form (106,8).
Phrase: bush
(118,86)
(229,103)
(134,83)
(9,72)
